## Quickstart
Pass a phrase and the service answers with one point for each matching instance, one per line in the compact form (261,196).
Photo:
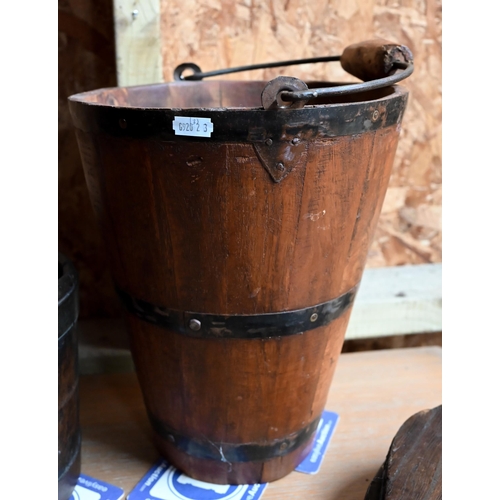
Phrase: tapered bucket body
(237,238)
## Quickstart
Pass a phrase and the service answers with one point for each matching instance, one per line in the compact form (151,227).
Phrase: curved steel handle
(199,75)
(379,63)
(352,88)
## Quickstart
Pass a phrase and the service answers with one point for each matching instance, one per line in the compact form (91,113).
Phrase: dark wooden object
(86,61)
(374,59)
(206,226)
(69,435)
(412,469)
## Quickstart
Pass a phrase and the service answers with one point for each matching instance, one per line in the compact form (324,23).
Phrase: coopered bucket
(237,217)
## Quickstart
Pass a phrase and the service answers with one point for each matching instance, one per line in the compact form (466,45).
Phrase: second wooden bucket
(69,434)
(237,231)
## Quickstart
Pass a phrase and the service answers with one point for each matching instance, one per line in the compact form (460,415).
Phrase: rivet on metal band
(248,326)
(232,452)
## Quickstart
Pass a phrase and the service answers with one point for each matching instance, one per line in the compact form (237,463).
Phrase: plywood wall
(225,33)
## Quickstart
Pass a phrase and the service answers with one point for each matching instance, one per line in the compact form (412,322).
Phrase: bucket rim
(81,98)
(224,124)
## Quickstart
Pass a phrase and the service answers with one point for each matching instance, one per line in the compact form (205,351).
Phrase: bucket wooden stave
(238,284)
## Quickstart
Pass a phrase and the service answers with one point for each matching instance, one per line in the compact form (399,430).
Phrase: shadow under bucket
(237,255)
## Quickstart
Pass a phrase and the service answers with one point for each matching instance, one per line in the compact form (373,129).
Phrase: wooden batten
(137,39)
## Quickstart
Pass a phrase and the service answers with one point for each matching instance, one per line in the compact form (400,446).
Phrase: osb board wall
(86,61)
(223,33)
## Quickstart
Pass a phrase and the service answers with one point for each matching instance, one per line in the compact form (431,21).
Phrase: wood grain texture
(374,392)
(86,60)
(203,220)
(300,232)
(398,300)
(413,467)
(69,433)
(137,36)
(221,391)
(220,33)
(200,225)
(392,304)
(374,59)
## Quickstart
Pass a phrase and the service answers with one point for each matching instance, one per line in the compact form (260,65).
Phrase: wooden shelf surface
(374,393)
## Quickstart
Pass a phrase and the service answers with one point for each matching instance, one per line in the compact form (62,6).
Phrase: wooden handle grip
(374,59)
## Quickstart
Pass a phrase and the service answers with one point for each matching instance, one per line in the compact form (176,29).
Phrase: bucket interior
(209,94)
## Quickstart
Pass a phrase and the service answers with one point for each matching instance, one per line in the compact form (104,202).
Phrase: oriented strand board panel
(223,33)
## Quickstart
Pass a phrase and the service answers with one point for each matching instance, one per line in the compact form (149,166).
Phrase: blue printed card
(164,482)
(324,433)
(88,488)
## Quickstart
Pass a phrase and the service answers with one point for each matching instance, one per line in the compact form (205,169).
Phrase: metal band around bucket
(246,326)
(233,452)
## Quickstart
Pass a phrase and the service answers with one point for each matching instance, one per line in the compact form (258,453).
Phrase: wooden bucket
(69,436)
(237,254)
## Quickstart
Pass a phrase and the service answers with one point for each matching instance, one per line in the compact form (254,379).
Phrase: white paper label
(195,127)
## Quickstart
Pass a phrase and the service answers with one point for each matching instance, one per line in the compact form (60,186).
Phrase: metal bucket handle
(379,63)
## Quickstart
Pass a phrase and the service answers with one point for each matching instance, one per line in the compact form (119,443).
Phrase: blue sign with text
(324,433)
(164,482)
(88,488)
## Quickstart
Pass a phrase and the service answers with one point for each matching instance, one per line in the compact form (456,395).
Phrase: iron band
(247,326)
(231,452)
